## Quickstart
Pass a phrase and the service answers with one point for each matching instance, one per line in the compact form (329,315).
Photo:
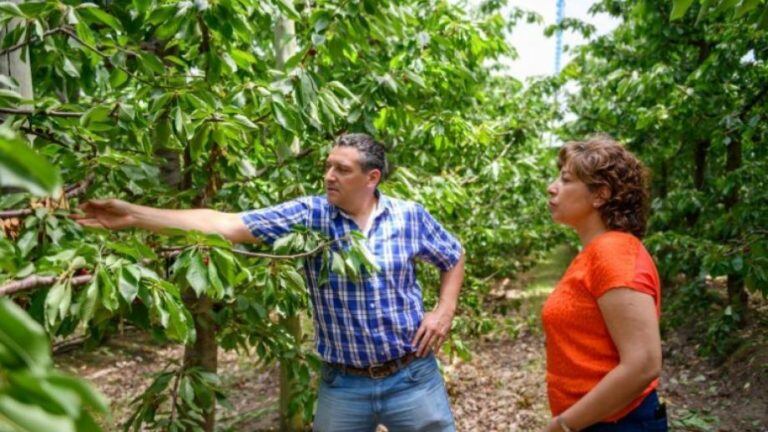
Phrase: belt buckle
(377,375)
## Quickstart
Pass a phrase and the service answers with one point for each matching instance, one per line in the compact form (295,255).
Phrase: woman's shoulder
(614,242)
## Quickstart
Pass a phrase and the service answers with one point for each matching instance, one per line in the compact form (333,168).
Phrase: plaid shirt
(373,320)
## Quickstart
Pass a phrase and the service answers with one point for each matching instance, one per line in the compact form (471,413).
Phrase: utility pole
(559,36)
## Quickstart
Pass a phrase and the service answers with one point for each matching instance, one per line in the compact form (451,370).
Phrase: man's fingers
(90,223)
(419,334)
(426,342)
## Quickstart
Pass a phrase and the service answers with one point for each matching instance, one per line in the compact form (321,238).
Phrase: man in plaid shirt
(372,333)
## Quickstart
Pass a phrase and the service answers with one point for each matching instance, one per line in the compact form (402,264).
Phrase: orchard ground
(502,388)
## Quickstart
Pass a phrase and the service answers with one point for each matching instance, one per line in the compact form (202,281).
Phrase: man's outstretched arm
(117,214)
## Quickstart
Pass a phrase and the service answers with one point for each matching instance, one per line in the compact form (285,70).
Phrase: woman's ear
(601,196)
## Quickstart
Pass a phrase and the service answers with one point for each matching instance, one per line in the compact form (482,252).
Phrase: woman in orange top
(602,320)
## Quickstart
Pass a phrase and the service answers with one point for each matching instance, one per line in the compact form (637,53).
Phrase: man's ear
(374,176)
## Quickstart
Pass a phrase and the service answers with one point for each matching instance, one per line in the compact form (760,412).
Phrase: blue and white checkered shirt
(371,320)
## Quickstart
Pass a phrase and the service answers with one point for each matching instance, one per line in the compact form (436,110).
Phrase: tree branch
(34,281)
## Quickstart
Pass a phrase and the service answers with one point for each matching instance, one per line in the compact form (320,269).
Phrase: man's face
(345,180)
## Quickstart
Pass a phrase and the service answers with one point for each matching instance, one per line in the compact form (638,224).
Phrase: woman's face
(570,200)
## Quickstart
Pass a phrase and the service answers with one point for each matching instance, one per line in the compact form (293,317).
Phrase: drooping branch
(175,251)
(35,281)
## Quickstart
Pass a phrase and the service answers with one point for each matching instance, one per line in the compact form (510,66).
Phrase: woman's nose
(552,189)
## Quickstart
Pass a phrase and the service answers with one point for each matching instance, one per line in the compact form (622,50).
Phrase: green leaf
(213,278)
(109,296)
(93,14)
(21,167)
(286,6)
(88,395)
(337,264)
(70,69)
(88,298)
(22,338)
(294,279)
(11,9)
(679,8)
(117,77)
(197,274)
(128,282)
(199,141)
(746,6)
(243,120)
(53,300)
(30,418)
(157,306)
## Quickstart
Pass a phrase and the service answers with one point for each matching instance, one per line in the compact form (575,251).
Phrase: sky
(536,51)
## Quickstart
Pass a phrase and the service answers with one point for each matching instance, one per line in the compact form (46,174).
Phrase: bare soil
(500,389)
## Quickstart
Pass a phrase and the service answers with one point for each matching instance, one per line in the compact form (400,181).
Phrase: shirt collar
(383,205)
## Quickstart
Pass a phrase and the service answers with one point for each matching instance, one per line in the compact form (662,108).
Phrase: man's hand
(433,331)
(112,214)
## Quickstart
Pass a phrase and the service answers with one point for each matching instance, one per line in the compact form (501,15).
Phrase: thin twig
(31,112)
(10,214)
(80,187)
(261,171)
(29,41)
(43,134)
(175,394)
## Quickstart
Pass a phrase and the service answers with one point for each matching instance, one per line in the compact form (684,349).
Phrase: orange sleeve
(619,260)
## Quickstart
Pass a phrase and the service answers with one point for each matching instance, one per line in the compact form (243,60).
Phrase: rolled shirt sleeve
(271,223)
(437,245)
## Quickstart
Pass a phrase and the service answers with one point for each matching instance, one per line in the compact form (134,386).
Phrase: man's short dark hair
(373,154)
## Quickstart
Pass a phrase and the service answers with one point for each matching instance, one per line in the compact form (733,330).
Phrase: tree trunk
(700,150)
(737,293)
(285,47)
(204,352)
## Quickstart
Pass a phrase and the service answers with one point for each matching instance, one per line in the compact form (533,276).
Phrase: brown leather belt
(377,371)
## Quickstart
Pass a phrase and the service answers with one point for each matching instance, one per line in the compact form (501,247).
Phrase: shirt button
(371,305)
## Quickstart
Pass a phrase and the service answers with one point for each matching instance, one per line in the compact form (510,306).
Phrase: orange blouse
(580,351)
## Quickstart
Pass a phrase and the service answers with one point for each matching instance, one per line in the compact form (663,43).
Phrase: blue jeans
(412,399)
(649,416)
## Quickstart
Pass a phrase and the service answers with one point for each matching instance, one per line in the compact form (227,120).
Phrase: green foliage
(688,96)
(176,400)
(178,104)
(34,397)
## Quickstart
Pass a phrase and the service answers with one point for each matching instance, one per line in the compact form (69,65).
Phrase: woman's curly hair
(601,161)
